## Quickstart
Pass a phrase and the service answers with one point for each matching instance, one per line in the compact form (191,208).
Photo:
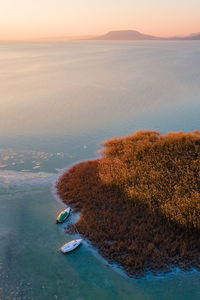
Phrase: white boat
(70,246)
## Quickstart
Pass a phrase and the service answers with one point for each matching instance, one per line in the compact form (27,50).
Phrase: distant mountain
(126,35)
(193,36)
(136,35)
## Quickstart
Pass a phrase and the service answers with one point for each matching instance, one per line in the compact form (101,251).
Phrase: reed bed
(140,202)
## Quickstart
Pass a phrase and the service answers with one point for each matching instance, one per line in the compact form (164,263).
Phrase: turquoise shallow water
(58,102)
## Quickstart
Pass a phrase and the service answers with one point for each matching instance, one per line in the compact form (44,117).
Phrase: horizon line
(89,36)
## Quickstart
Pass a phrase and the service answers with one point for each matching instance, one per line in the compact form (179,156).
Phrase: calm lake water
(59,101)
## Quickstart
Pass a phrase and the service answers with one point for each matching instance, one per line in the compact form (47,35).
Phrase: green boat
(63,215)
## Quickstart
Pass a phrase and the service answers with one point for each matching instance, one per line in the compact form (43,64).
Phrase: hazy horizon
(88,36)
(28,20)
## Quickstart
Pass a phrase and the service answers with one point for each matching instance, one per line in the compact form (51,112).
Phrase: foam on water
(16,178)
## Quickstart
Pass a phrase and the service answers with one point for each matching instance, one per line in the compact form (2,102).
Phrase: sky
(32,19)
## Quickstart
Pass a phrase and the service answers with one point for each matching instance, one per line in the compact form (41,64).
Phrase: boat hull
(71,246)
(59,222)
(60,218)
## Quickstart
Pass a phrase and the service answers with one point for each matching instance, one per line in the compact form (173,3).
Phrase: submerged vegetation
(140,202)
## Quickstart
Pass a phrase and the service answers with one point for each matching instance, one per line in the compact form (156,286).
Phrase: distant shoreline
(138,36)
(117,35)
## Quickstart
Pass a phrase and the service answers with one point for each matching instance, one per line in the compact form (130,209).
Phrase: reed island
(140,201)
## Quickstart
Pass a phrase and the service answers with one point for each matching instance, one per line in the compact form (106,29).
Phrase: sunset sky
(28,19)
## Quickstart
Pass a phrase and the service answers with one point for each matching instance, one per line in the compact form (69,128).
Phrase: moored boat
(63,215)
(70,246)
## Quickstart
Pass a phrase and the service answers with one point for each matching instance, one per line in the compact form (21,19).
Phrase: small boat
(63,215)
(68,247)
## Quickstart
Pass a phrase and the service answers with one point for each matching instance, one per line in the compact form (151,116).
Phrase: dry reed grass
(140,202)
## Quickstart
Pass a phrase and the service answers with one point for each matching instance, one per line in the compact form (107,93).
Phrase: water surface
(58,102)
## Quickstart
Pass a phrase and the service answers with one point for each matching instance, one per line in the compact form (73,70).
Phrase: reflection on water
(58,102)
(83,87)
